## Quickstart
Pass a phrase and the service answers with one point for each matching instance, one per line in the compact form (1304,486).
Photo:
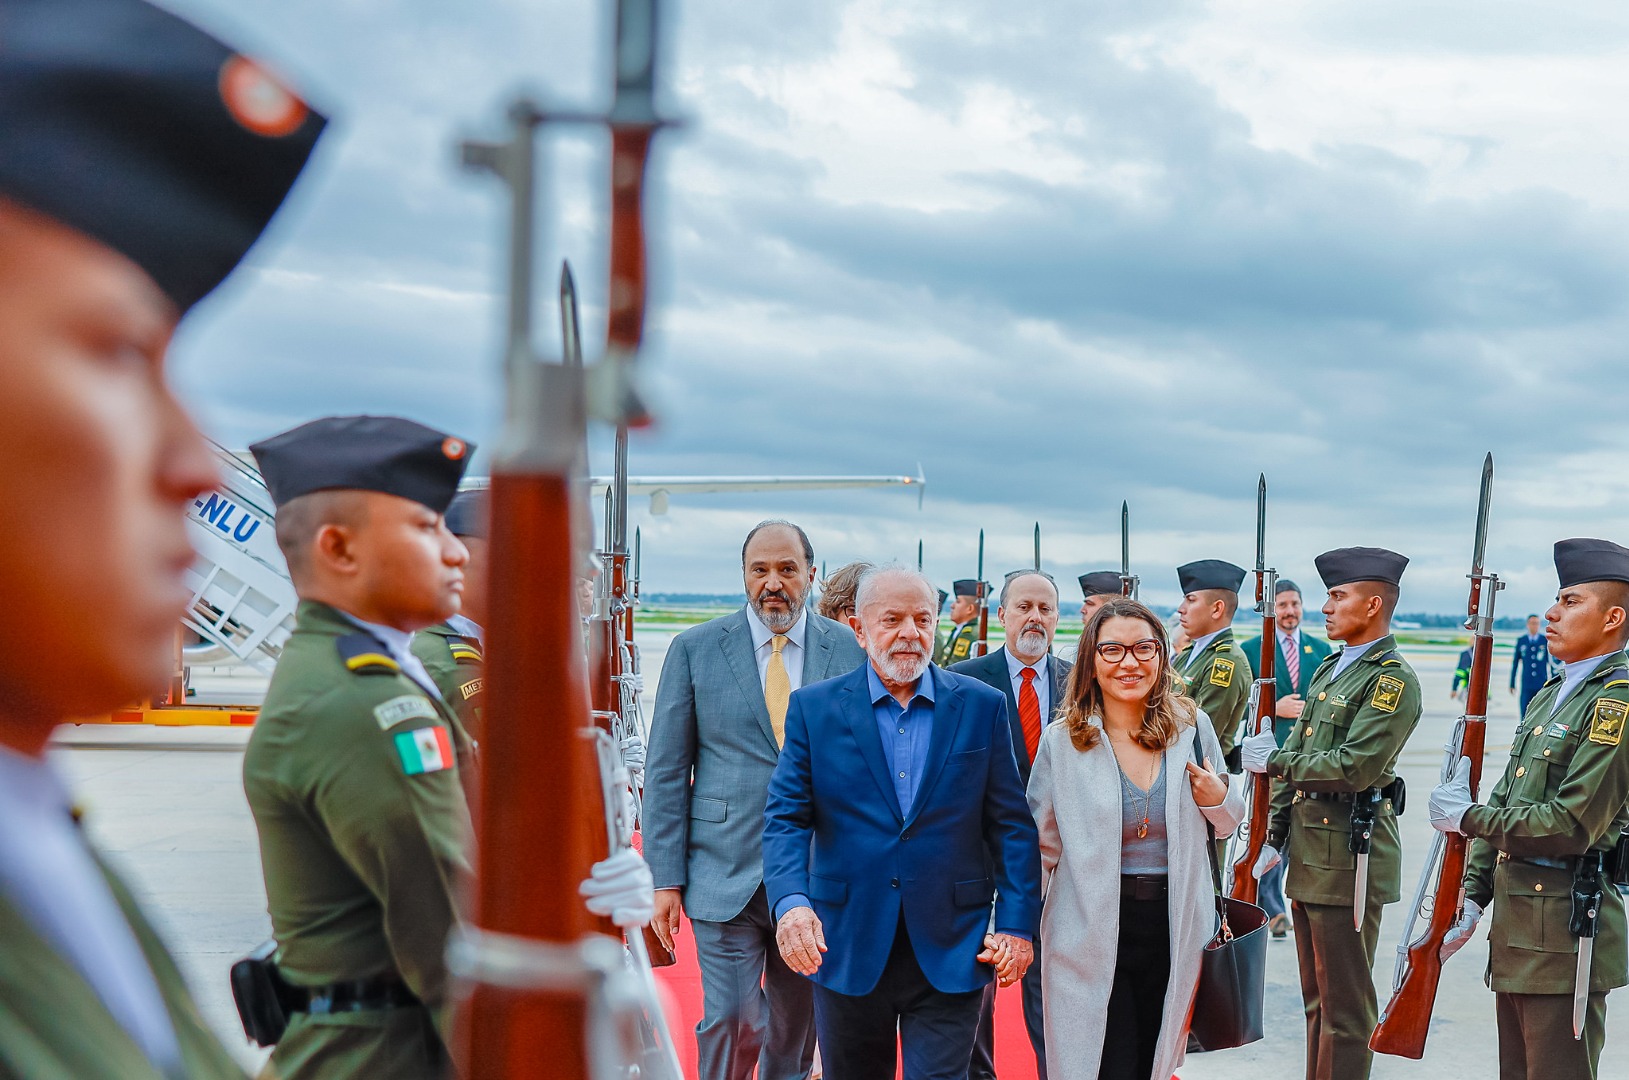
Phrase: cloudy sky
(1060,254)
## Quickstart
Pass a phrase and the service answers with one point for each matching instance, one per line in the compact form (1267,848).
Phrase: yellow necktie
(777,689)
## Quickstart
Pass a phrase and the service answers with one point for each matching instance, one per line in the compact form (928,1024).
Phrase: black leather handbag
(1231,1000)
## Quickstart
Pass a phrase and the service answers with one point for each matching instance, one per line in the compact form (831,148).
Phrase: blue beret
(467,515)
(364,453)
(1346,565)
(1581,560)
(1100,583)
(1210,574)
(143,132)
(965,587)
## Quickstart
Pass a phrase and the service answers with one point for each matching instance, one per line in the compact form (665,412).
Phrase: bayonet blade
(570,326)
(1125,540)
(1360,893)
(919,556)
(1483,504)
(981,555)
(635,59)
(1580,986)
(1037,545)
(1261,522)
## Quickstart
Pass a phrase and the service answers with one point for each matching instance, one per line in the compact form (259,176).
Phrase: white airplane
(660,488)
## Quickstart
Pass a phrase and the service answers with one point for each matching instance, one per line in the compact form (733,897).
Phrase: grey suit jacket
(712,750)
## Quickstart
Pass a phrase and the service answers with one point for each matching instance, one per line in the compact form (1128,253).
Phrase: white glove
(1268,859)
(633,754)
(622,887)
(1451,798)
(1457,935)
(1254,751)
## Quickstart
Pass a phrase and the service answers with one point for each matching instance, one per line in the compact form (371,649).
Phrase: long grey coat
(1075,797)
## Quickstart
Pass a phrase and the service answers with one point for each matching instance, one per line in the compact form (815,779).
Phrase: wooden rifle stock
(982,646)
(1406,1020)
(1265,705)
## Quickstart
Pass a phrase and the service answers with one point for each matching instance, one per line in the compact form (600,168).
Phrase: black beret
(965,587)
(145,133)
(1346,565)
(364,453)
(466,516)
(1210,574)
(1581,560)
(1100,583)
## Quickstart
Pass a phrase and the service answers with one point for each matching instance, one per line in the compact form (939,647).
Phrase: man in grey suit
(1033,679)
(714,740)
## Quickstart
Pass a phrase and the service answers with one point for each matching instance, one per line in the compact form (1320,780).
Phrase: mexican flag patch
(425,750)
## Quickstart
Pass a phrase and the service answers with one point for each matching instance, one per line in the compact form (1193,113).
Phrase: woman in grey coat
(1121,799)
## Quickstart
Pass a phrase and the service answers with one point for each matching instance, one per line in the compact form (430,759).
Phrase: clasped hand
(1010,956)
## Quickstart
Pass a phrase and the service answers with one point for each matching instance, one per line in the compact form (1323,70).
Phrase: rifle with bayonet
(1252,836)
(981,644)
(1440,896)
(1037,545)
(1128,582)
(534,968)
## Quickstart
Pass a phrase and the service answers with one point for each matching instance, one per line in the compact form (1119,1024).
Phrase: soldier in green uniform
(1214,672)
(1559,804)
(964,613)
(350,772)
(1334,808)
(132,182)
(451,649)
(1097,589)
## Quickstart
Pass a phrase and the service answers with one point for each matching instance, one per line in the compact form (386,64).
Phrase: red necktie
(1029,712)
(1292,662)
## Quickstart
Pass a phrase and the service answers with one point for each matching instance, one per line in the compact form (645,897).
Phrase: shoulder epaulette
(1388,657)
(365,656)
(1618,676)
(1224,647)
(463,648)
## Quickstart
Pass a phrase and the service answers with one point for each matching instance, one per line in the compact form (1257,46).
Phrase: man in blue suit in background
(895,820)
(1530,660)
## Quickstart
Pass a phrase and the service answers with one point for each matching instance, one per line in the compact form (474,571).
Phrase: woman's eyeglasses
(1113,651)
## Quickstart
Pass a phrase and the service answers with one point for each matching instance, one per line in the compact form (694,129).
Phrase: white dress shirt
(791,653)
(1577,672)
(399,644)
(48,874)
(1350,654)
(1043,681)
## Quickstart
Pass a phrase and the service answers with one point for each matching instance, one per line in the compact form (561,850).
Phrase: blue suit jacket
(833,832)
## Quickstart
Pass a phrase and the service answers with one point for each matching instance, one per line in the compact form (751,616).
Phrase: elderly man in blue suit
(896,833)
(720,716)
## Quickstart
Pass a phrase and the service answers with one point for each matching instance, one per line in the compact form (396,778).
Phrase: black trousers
(1142,968)
(934,1029)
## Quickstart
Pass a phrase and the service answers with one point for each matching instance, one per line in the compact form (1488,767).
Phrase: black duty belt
(385,991)
(1143,886)
(1566,863)
(1392,791)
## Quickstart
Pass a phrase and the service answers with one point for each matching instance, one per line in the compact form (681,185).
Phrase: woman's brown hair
(1168,710)
(838,592)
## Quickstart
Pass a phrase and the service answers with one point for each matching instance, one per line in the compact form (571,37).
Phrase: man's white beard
(1032,642)
(901,667)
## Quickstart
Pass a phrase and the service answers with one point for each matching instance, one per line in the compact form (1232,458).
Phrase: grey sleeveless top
(1143,854)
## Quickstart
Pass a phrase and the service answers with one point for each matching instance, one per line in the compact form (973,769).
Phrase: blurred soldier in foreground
(1217,675)
(351,772)
(451,650)
(1335,808)
(142,159)
(964,615)
(1542,846)
(1097,589)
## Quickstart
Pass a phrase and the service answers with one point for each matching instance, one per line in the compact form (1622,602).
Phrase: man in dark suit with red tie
(1299,655)
(1033,680)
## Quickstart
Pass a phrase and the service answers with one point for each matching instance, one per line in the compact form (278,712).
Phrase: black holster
(263,999)
(1365,803)
(1618,862)
(1586,895)
(1234,759)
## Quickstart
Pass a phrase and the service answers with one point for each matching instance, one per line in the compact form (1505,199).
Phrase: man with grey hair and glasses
(1033,680)
(717,731)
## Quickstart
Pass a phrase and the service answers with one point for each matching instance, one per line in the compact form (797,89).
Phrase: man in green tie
(716,734)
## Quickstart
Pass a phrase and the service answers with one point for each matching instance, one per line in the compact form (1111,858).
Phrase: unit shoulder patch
(406,707)
(1388,692)
(1606,724)
(1221,672)
(471,688)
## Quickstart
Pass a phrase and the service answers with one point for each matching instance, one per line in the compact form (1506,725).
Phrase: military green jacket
(1563,793)
(354,785)
(1218,680)
(54,1027)
(457,666)
(959,645)
(1348,740)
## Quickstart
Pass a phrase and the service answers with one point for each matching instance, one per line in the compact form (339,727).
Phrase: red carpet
(1014,1058)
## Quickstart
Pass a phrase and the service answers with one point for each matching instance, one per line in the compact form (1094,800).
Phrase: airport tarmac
(168,807)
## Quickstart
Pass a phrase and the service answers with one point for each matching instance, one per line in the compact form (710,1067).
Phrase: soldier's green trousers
(1535,1037)
(1337,987)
